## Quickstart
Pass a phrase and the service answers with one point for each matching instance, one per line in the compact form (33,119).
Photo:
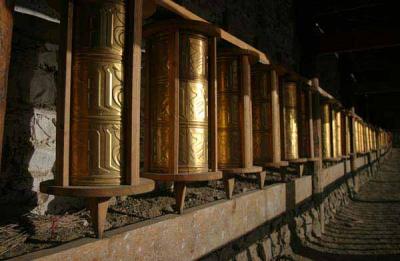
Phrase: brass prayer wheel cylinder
(235,134)
(334,133)
(326,131)
(262,115)
(97,96)
(347,135)
(304,132)
(177,134)
(338,129)
(229,110)
(290,121)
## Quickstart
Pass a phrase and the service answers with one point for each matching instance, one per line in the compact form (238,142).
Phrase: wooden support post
(98,211)
(275,115)
(132,82)
(6,29)
(64,95)
(180,194)
(316,166)
(247,129)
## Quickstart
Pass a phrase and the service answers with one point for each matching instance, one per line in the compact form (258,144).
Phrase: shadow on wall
(30,126)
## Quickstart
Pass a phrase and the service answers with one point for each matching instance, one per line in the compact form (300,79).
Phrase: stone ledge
(198,231)
(178,237)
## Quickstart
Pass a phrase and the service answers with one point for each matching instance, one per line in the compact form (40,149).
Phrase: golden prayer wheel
(262,117)
(347,135)
(290,121)
(177,101)
(304,132)
(326,131)
(338,130)
(97,98)
(334,133)
(235,135)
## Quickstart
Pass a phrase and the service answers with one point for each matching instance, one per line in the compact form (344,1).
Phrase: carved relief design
(193,102)
(229,128)
(160,101)
(97,94)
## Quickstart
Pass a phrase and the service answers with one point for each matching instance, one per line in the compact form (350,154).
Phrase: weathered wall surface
(29,142)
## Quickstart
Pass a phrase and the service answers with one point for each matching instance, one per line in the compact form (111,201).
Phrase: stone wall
(292,232)
(29,141)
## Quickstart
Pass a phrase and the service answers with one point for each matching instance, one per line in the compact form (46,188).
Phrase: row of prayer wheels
(207,112)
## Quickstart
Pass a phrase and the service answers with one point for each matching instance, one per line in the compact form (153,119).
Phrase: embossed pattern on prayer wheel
(290,111)
(229,127)
(262,118)
(192,75)
(326,131)
(97,93)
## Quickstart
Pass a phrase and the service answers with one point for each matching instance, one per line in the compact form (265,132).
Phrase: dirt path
(369,227)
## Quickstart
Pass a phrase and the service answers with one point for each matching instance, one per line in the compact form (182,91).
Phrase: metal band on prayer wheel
(262,117)
(326,131)
(97,93)
(290,121)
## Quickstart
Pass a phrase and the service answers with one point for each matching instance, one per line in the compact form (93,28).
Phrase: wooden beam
(185,13)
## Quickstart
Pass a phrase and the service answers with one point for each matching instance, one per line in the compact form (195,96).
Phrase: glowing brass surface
(262,123)
(193,101)
(338,129)
(97,93)
(290,121)
(347,133)
(326,131)
(229,127)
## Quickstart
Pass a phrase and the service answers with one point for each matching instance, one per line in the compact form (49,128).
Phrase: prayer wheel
(235,127)
(290,121)
(180,101)
(262,117)
(304,131)
(347,143)
(338,130)
(326,131)
(97,99)
(334,133)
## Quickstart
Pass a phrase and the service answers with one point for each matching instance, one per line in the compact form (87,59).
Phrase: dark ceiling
(364,36)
